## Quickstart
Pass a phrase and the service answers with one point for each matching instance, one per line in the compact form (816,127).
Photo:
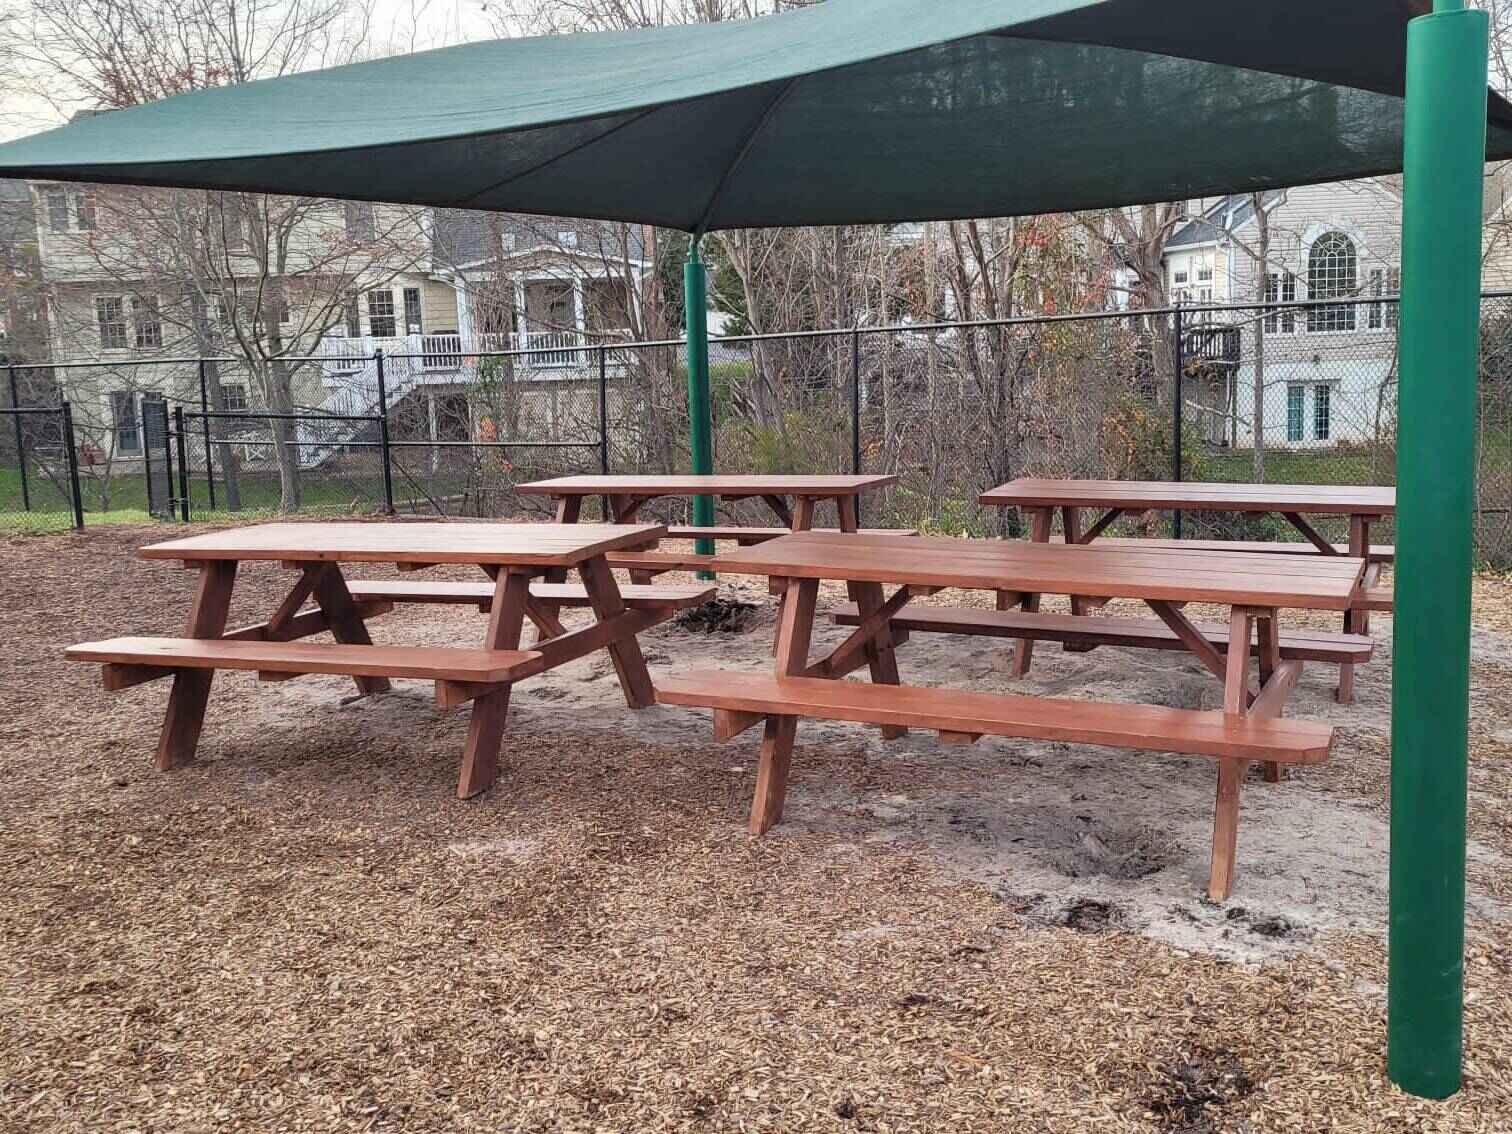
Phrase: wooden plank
(772,770)
(302,625)
(1155,727)
(1193,638)
(875,620)
(1142,495)
(446,663)
(637,597)
(747,535)
(624,650)
(1236,694)
(758,484)
(1298,521)
(524,544)
(485,724)
(1225,829)
(730,723)
(1379,552)
(1317,582)
(185,715)
(1102,630)
(1029,597)
(345,620)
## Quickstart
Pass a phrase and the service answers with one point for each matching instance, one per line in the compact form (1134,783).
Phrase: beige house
(1329,372)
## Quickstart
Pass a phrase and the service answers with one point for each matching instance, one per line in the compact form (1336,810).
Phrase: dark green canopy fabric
(847,112)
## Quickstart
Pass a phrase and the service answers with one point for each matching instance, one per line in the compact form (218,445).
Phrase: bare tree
(261,277)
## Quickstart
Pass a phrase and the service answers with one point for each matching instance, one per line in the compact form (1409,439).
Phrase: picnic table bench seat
(742,700)
(165,656)
(745,536)
(1378,552)
(1090,631)
(636,596)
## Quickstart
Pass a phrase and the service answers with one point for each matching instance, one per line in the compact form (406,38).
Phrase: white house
(1329,372)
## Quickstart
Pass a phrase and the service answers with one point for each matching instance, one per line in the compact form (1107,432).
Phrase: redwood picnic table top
(550,545)
(1227,577)
(740,484)
(1137,495)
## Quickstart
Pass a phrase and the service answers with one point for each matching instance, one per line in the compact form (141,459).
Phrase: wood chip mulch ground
(313,935)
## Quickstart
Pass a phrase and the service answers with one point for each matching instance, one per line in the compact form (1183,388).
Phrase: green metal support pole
(1444,151)
(695,304)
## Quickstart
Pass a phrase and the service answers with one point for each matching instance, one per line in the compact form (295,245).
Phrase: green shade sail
(851,111)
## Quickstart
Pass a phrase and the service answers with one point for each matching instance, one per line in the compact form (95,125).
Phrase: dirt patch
(1193,1088)
(717,616)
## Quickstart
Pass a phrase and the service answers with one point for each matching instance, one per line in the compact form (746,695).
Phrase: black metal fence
(1301,392)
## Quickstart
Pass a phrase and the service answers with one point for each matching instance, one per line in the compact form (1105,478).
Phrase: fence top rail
(827,332)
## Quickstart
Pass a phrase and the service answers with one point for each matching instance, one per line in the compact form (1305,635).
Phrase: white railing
(537,350)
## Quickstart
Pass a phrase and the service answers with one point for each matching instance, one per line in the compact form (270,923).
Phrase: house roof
(1228,214)
(463,236)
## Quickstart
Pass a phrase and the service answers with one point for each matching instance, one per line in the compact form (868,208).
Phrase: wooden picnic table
(1255,587)
(515,556)
(1362,504)
(791,498)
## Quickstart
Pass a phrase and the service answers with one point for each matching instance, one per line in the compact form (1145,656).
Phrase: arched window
(1332,270)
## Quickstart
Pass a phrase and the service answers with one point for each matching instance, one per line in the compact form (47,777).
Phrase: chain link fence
(1299,392)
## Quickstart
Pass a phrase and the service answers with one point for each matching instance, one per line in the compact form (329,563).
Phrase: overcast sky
(399,26)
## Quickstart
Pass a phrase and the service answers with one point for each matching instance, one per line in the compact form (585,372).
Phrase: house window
(413,323)
(57,210)
(1296,410)
(1205,273)
(1374,315)
(507,241)
(1280,287)
(359,221)
(1393,289)
(84,210)
(381,314)
(1180,277)
(567,239)
(147,321)
(234,398)
(110,314)
(1322,412)
(123,416)
(1332,270)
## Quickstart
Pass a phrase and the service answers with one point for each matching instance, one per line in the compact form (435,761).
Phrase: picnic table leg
(795,628)
(191,687)
(1269,635)
(881,659)
(800,519)
(624,652)
(850,519)
(1355,621)
(485,728)
(568,511)
(1230,772)
(346,624)
(1071,522)
(1023,649)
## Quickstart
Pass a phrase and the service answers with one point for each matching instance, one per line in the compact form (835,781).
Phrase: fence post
(1180,361)
(855,400)
(20,437)
(383,438)
(73,468)
(603,407)
(205,422)
(183,462)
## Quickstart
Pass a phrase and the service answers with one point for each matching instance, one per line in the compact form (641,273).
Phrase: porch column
(1444,153)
